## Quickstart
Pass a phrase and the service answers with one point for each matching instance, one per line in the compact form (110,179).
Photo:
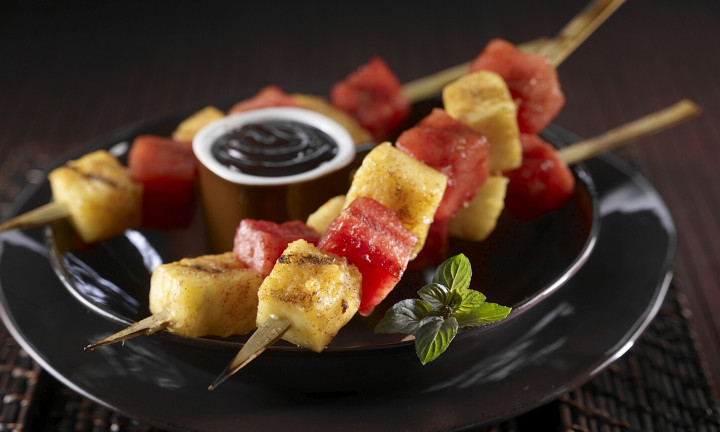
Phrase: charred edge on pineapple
(305,259)
(91,176)
(206,269)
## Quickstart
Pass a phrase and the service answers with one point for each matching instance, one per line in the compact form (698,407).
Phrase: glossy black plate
(554,346)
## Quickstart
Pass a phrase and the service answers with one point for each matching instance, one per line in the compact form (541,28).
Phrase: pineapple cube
(187,129)
(482,101)
(102,199)
(403,184)
(211,295)
(316,291)
(321,218)
(319,104)
(479,217)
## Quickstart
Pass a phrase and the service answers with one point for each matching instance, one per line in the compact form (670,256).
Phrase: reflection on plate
(557,344)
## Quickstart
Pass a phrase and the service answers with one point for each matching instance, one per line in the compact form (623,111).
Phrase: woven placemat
(659,385)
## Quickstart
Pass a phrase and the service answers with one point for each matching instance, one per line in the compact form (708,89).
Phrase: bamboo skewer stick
(650,124)
(575,32)
(152,324)
(266,335)
(578,30)
(40,216)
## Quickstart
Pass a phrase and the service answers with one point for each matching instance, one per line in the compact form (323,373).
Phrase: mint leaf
(454,273)
(403,317)
(486,313)
(444,305)
(471,299)
(434,336)
(435,295)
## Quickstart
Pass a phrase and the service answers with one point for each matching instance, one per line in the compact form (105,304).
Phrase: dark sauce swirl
(274,148)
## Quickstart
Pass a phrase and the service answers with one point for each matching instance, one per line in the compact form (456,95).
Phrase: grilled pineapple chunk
(482,101)
(211,295)
(102,199)
(358,134)
(478,218)
(187,129)
(321,218)
(316,291)
(403,184)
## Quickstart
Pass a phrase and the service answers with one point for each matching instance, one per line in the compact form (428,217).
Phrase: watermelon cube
(531,79)
(373,95)
(166,168)
(267,97)
(258,244)
(543,183)
(454,149)
(372,238)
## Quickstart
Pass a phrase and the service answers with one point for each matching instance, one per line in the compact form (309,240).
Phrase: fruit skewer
(557,49)
(273,326)
(210,295)
(544,182)
(102,198)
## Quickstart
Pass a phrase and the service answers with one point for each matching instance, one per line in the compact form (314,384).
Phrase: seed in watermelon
(258,244)
(543,183)
(267,97)
(531,79)
(166,168)
(372,238)
(454,149)
(373,95)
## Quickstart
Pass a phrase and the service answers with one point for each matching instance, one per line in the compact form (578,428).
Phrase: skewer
(578,30)
(575,32)
(266,335)
(153,323)
(652,123)
(42,215)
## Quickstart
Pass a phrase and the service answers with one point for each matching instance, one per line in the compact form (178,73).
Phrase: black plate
(556,345)
(112,279)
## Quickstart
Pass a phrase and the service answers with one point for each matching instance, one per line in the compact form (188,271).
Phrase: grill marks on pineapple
(202,268)
(92,176)
(306,259)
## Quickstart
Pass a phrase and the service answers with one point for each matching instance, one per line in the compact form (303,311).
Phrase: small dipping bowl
(232,192)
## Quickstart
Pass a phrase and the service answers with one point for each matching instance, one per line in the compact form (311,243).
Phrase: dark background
(72,72)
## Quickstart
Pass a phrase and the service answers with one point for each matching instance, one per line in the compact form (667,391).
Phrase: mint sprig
(444,306)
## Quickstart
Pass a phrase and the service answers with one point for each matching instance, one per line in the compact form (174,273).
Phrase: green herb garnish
(444,305)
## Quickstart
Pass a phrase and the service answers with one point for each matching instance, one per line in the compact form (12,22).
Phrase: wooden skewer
(557,49)
(267,334)
(152,324)
(40,216)
(652,123)
(579,29)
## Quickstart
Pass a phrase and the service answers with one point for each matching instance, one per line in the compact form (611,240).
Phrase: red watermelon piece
(372,238)
(373,96)
(258,244)
(543,183)
(166,168)
(454,149)
(270,96)
(532,81)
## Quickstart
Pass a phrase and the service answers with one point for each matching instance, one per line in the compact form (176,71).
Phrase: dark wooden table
(71,73)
